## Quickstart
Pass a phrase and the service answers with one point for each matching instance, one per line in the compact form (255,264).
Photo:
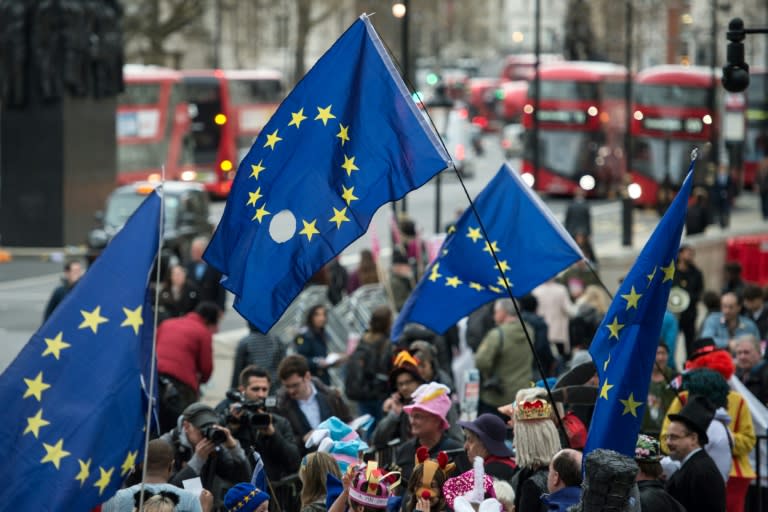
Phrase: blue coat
(560,501)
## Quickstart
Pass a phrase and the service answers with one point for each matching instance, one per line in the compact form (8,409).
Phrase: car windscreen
(120,207)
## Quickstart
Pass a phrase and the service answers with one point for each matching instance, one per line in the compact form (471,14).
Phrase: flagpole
(153,360)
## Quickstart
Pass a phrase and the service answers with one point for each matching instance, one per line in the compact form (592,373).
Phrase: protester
(689,278)
(751,368)
(312,343)
(185,359)
(159,465)
(732,281)
(546,357)
(369,489)
(755,308)
(556,308)
(578,218)
(699,215)
(246,497)
(697,485)
(315,467)
(429,366)
(366,272)
(257,427)
(425,487)
(485,437)
(73,271)
(205,277)
(591,307)
(401,279)
(563,481)
(729,323)
(338,280)
(178,295)
(467,491)
(203,448)
(427,414)
(609,483)
(404,379)
(653,496)
(723,190)
(503,359)
(262,350)
(304,400)
(660,393)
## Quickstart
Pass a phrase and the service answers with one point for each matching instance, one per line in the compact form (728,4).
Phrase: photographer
(249,416)
(204,448)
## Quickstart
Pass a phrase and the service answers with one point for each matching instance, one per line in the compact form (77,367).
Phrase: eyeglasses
(675,437)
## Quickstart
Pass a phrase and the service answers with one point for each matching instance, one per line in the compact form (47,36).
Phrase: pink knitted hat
(464,485)
(432,398)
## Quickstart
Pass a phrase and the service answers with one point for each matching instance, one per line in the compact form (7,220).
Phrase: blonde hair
(535,441)
(159,503)
(312,474)
(595,297)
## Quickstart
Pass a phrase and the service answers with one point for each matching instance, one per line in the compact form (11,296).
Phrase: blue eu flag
(75,397)
(531,246)
(624,347)
(346,140)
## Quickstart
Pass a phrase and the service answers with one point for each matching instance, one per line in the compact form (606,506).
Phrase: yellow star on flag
(34,423)
(453,281)
(490,246)
(451,228)
(339,216)
(261,213)
(324,114)
(349,165)
(92,319)
(630,406)
(309,229)
(651,276)
(615,327)
(54,453)
(253,197)
(632,297)
(128,463)
(669,271)
(103,480)
(434,275)
(503,266)
(474,234)
(604,389)
(297,118)
(494,289)
(348,194)
(35,387)
(85,471)
(504,281)
(256,169)
(55,345)
(133,319)
(272,139)
(476,286)
(343,134)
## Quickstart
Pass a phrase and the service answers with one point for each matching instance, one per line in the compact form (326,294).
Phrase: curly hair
(709,383)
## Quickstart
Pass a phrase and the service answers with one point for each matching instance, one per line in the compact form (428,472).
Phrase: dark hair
(662,344)
(159,455)
(752,291)
(293,365)
(528,302)
(367,271)
(651,469)
(381,320)
(68,265)
(209,311)
(311,313)
(253,371)
(415,482)
(568,468)
(711,300)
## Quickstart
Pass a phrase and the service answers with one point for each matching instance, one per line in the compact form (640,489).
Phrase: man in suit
(205,276)
(697,485)
(304,400)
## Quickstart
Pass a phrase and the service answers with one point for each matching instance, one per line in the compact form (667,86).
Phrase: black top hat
(697,414)
(703,346)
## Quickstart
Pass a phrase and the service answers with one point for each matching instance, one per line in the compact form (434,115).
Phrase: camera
(214,434)
(252,412)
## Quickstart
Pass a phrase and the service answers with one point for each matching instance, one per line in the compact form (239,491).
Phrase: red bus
(671,115)
(582,115)
(229,109)
(152,124)
(756,140)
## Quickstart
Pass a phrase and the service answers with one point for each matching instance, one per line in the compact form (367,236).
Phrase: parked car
(186,213)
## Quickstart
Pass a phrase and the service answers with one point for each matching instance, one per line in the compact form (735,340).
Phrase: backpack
(367,373)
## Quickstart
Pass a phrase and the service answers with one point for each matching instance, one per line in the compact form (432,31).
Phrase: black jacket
(756,380)
(209,285)
(698,485)
(654,497)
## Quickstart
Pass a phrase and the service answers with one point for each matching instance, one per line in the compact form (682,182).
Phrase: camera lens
(213,434)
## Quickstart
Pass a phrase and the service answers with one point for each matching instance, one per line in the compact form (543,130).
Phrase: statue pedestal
(57,165)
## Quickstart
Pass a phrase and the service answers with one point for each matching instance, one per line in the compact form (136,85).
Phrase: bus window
(242,92)
(672,96)
(204,98)
(140,94)
(562,90)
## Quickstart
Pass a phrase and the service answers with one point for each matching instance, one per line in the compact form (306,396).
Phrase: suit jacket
(698,485)
(209,286)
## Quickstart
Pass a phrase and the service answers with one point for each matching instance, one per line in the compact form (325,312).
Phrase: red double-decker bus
(229,109)
(582,119)
(756,140)
(671,114)
(152,124)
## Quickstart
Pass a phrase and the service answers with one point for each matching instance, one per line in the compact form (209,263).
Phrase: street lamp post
(401,10)
(627,203)
(439,108)
(536,90)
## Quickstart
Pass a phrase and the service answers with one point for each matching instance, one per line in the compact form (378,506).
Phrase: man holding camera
(203,448)
(248,411)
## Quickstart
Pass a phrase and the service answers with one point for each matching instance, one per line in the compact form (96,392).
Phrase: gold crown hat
(537,409)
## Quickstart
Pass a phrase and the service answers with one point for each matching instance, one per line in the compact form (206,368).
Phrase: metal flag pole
(153,359)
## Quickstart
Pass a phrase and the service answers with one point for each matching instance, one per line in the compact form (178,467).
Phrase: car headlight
(98,239)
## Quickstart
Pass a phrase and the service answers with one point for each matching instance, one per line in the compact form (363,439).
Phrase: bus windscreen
(204,98)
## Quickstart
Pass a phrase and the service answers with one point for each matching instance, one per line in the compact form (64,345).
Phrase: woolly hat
(706,354)
(404,362)
(432,398)
(431,466)
(371,486)
(336,438)
(244,497)
(464,485)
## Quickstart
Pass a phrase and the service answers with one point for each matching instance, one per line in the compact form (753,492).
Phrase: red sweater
(185,349)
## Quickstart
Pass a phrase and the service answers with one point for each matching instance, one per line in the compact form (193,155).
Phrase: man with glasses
(304,400)
(697,485)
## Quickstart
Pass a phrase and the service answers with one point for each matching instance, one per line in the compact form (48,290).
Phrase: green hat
(647,449)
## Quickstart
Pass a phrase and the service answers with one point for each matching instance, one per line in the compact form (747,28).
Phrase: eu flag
(346,140)
(530,244)
(75,398)
(624,347)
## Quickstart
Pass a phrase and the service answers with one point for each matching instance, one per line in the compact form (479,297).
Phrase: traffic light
(736,70)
